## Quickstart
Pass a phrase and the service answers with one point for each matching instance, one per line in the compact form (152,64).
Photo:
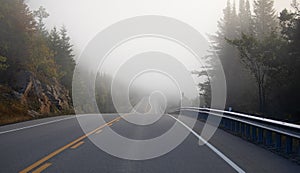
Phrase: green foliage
(3,65)
(41,61)
(26,43)
(231,26)
(40,15)
(267,47)
(59,42)
(288,24)
(103,94)
(16,27)
(26,47)
(21,42)
(259,49)
(265,20)
(245,17)
(67,61)
(261,57)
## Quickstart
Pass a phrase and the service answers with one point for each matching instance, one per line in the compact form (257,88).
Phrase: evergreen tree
(65,42)
(265,20)
(229,27)
(16,27)
(41,61)
(260,51)
(260,57)
(60,45)
(54,41)
(27,52)
(67,61)
(40,15)
(245,17)
(286,94)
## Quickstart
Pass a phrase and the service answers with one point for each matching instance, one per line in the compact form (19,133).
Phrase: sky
(85,18)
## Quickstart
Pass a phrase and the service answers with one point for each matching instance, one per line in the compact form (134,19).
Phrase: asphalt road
(59,145)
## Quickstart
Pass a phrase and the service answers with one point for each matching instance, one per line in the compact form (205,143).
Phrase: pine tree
(40,15)
(66,56)
(65,43)
(265,20)
(260,51)
(54,44)
(290,30)
(54,39)
(245,17)
(16,27)
(59,42)
(229,28)
(227,25)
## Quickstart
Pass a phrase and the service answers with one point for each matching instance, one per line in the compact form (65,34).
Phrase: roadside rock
(40,97)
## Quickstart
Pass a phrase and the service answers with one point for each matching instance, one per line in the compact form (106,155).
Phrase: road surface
(59,145)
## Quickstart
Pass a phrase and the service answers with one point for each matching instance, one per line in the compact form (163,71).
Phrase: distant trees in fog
(259,51)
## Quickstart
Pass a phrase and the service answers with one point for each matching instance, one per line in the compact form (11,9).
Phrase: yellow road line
(77,145)
(112,122)
(98,131)
(39,162)
(43,167)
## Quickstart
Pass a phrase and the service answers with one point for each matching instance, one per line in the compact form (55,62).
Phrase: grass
(11,110)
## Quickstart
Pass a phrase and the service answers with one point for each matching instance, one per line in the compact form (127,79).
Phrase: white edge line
(226,159)
(40,124)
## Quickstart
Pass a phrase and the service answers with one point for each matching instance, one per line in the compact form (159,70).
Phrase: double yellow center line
(44,159)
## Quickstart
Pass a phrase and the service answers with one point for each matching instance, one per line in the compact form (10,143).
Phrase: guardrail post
(225,123)
(233,126)
(278,141)
(242,129)
(199,116)
(288,144)
(254,133)
(238,128)
(247,131)
(228,124)
(268,137)
(298,147)
(260,135)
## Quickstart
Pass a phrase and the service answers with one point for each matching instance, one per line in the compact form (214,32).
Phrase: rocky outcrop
(45,97)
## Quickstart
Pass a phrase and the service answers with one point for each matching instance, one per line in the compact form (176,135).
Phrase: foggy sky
(85,18)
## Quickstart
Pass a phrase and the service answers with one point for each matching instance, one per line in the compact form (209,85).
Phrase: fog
(84,19)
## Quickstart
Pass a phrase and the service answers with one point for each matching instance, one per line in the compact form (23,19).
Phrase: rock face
(43,97)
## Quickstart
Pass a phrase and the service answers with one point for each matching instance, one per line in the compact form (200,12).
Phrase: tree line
(26,44)
(259,51)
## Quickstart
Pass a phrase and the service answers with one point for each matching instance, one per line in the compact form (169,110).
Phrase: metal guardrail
(278,135)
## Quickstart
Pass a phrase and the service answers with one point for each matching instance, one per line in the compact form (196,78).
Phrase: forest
(36,65)
(258,47)
(259,50)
